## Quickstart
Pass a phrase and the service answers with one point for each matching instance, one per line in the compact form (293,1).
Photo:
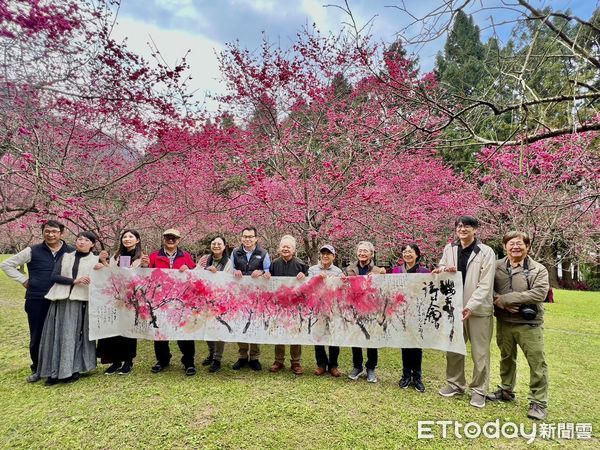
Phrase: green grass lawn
(263,410)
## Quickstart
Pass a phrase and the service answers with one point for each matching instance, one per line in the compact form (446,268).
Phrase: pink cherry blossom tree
(550,189)
(327,154)
(77,108)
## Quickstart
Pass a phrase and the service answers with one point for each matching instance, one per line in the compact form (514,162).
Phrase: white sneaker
(371,377)
(450,391)
(356,372)
(477,400)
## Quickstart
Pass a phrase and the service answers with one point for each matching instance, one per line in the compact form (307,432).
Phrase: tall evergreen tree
(341,86)
(462,73)
(462,67)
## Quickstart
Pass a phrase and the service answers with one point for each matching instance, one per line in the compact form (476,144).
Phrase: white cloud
(328,17)
(262,6)
(173,45)
(179,8)
(316,12)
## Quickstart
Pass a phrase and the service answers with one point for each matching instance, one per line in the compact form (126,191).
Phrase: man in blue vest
(40,259)
(249,259)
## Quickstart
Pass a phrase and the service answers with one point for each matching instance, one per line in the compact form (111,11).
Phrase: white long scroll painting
(416,310)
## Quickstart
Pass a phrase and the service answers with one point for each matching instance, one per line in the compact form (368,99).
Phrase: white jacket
(479,282)
(73,292)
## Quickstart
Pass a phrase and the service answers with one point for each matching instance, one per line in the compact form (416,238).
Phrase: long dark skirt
(65,347)
(116,349)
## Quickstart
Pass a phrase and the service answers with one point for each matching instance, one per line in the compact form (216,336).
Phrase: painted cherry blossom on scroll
(181,301)
(303,305)
(362,304)
(221,307)
(350,311)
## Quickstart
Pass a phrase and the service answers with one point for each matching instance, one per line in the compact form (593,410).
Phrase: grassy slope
(248,410)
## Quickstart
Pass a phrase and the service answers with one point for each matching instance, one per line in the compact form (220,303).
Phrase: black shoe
(215,366)
(537,412)
(51,381)
(126,368)
(242,362)
(404,382)
(208,360)
(418,383)
(113,368)
(34,377)
(73,378)
(255,365)
(501,395)
(190,371)
(158,367)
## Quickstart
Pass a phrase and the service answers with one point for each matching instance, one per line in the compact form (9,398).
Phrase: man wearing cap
(364,265)
(40,259)
(249,259)
(325,268)
(172,257)
(287,265)
(477,263)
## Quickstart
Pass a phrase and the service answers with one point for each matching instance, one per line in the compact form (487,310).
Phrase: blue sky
(205,26)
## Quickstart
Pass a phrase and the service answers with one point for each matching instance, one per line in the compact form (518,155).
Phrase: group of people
(512,288)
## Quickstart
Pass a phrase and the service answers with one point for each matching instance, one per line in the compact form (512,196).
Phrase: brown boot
(276,367)
(297,369)
(319,371)
(335,372)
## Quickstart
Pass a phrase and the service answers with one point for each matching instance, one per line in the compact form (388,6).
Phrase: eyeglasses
(463,227)
(245,236)
(170,238)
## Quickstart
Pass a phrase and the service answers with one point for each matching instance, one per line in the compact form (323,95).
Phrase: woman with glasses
(411,357)
(218,261)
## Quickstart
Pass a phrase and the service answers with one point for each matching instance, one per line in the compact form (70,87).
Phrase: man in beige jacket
(476,262)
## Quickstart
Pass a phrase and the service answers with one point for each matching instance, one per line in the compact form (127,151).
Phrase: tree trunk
(552,274)
(548,259)
(567,277)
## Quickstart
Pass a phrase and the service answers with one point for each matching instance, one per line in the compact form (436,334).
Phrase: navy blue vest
(40,269)
(255,263)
